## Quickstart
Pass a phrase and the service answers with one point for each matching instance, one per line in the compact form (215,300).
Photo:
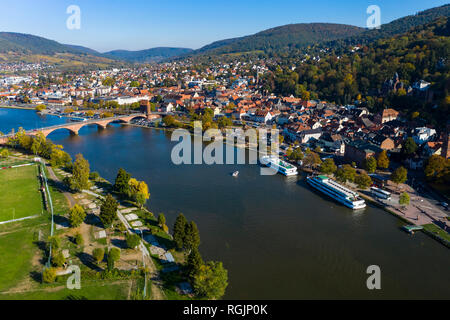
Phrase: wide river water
(278,238)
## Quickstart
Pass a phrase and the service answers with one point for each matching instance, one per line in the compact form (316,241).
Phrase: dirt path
(68,196)
(156,287)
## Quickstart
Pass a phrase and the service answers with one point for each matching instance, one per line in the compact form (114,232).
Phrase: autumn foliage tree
(383,160)
(80,174)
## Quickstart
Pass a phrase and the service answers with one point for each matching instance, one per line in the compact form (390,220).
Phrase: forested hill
(396,27)
(327,35)
(420,54)
(281,38)
(149,55)
(30,44)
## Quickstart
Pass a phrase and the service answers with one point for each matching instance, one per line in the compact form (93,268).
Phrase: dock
(412,228)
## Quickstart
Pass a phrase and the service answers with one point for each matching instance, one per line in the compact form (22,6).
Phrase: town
(286,164)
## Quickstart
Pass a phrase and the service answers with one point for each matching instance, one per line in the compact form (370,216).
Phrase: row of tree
(209,279)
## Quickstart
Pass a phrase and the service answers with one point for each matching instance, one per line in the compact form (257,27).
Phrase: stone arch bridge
(74,127)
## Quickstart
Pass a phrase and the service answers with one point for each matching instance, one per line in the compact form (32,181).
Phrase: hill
(419,54)
(283,37)
(149,55)
(298,36)
(34,49)
(30,44)
(398,26)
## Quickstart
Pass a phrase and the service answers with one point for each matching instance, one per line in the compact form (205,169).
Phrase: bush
(49,275)
(54,241)
(94,176)
(133,240)
(404,199)
(77,216)
(98,254)
(58,259)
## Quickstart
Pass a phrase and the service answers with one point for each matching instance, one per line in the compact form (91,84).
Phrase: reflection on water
(278,238)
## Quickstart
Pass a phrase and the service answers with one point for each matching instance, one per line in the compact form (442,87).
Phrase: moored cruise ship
(281,166)
(338,192)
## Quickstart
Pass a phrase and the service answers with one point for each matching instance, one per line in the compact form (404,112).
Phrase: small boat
(235,174)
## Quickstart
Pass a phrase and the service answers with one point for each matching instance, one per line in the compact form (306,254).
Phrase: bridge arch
(72,131)
(98,124)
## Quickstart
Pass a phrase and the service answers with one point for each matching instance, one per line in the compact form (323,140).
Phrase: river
(277,238)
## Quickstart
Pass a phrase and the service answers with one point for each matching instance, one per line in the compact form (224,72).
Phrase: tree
(108,211)
(121,185)
(437,168)
(58,259)
(383,160)
(370,165)
(179,231)
(404,199)
(108,81)
(400,175)
(211,280)
(77,216)
(194,262)
(59,157)
(80,174)
(191,237)
(98,254)
(41,107)
(133,240)
(346,173)
(4,153)
(161,219)
(296,155)
(138,191)
(328,166)
(363,181)
(289,152)
(409,146)
(311,159)
(49,275)
(113,257)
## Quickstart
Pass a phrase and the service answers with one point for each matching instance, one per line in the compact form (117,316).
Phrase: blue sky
(141,24)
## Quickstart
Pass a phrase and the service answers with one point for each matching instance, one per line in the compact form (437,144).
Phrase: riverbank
(435,233)
(17,107)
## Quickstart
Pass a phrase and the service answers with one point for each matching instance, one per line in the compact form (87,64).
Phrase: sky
(141,24)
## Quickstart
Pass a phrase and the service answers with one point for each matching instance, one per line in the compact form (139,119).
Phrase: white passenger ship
(338,192)
(281,166)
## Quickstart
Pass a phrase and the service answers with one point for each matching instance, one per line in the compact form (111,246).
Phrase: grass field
(19,193)
(436,230)
(118,290)
(17,250)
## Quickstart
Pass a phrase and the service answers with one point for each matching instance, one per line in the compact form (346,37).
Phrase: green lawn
(17,250)
(89,291)
(436,230)
(19,193)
